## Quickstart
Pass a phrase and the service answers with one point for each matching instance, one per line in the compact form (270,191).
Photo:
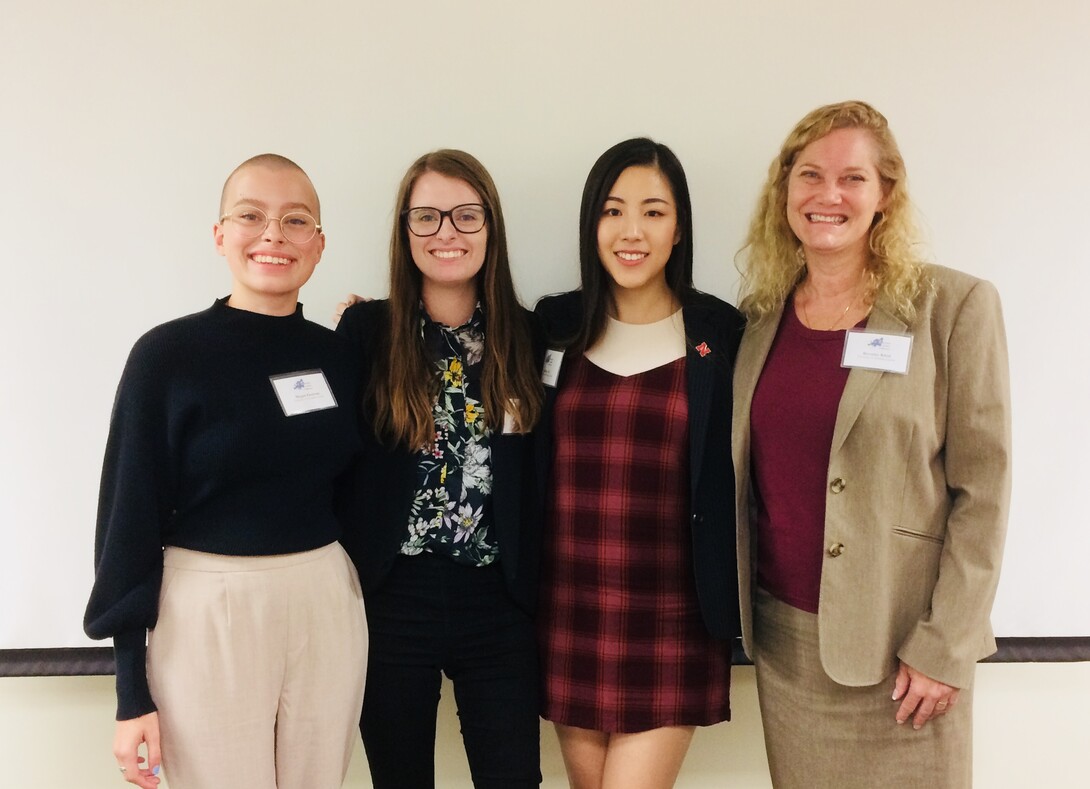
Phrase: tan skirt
(823,735)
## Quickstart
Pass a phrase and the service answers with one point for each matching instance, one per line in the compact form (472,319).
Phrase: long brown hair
(404,386)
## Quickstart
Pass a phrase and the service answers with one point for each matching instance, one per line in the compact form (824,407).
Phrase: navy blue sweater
(201,456)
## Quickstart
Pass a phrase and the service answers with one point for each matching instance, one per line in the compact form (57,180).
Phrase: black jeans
(433,616)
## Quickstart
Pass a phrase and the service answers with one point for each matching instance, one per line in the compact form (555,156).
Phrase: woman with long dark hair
(445,534)
(639,593)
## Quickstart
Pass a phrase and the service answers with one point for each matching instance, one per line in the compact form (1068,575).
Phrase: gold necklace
(836,323)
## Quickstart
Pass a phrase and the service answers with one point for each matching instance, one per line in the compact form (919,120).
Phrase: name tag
(871,350)
(550,370)
(510,416)
(303,392)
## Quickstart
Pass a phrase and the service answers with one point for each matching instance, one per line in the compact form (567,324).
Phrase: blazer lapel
(756,343)
(700,380)
(861,382)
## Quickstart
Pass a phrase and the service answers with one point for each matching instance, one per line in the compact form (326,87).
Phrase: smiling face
(833,193)
(638,229)
(268,270)
(450,258)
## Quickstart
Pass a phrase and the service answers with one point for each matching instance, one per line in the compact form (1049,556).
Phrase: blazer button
(837,485)
(836,549)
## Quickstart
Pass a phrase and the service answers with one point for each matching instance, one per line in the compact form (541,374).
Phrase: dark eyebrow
(642,202)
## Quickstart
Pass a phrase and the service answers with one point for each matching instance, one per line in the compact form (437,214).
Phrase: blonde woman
(871,443)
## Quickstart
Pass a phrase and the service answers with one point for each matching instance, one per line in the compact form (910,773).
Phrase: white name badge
(873,350)
(510,416)
(303,392)
(550,370)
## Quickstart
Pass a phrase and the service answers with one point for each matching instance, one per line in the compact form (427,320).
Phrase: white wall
(121,119)
(55,733)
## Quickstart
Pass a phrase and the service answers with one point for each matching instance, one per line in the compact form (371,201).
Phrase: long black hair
(597,294)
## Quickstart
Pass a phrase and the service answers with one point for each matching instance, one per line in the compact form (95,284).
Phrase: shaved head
(273,161)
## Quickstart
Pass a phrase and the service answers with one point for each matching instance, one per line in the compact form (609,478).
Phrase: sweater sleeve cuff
(130,658)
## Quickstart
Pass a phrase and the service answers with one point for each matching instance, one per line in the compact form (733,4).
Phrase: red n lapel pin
(703,349)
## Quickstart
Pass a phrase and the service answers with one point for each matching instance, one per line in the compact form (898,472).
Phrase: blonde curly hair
(771,260)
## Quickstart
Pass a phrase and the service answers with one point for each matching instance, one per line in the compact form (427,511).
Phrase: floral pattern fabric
(451,511)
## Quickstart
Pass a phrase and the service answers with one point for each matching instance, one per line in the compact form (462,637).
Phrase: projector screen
(122,119)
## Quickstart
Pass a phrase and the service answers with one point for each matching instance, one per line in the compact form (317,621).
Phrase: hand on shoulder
(349,300)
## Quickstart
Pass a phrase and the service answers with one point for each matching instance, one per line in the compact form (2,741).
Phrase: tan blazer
(919,488)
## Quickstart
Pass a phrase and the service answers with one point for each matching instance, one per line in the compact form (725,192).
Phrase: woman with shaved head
(236,617)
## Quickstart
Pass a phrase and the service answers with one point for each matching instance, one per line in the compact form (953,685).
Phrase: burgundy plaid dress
(623,645)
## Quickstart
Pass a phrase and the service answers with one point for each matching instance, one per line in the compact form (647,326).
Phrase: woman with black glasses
(445,536)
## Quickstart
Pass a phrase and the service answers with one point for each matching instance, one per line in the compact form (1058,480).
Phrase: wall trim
(98,661)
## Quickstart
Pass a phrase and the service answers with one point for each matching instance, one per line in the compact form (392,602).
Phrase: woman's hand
(343,305)
(127,738)
(927,697)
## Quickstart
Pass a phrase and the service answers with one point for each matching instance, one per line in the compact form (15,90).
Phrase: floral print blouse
(451,511)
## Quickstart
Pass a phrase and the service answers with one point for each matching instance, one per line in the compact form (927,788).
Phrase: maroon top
(623,645)
(791,423)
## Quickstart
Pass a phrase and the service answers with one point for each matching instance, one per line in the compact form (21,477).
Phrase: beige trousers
(257,666)
(822,735)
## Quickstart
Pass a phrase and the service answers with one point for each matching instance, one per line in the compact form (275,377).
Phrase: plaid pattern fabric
(624,648)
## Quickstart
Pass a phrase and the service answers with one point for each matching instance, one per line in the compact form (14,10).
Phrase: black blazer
(713,331)
(375,505)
